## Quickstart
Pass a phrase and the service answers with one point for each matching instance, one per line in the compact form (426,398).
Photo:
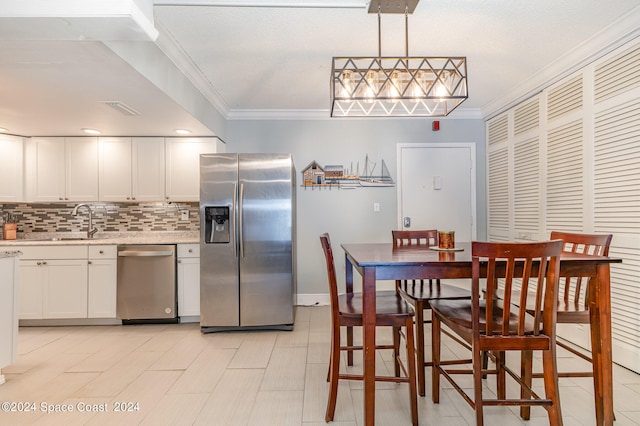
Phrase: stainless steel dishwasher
(146,284)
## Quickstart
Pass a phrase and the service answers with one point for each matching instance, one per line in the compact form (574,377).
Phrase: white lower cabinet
(102,283)
(65,289)
(188,280)
(53,282)
(31,291)
(60,282)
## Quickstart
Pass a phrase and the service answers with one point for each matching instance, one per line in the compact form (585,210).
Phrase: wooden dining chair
(573,301)
(420,292)
(346,311)
(497,325)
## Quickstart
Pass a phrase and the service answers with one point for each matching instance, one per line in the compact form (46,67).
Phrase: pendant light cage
(400,87)
(397,86)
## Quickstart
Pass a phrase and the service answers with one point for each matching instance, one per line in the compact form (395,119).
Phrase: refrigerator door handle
(240,223)
(233,220)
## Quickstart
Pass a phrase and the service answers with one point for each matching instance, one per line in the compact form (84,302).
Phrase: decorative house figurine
(313,174)
(333,172)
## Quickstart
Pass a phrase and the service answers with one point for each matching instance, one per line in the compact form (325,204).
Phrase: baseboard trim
(312,299)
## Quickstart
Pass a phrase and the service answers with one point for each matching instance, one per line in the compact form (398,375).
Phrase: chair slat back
(415,238)
(331,273)
(572,291)
(529,264)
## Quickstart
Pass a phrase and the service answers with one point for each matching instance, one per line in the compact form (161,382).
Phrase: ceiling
(272,59)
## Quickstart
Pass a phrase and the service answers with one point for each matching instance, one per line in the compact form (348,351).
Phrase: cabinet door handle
(190,250)
(44,263)
(179,261)
(89,262)
(101,252)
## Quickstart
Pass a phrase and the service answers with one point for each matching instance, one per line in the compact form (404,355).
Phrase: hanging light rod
(407,86)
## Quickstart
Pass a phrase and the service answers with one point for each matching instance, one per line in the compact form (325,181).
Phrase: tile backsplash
(107,217)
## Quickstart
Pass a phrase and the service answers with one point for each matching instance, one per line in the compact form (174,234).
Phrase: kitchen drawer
(103,252)
(52,252)
(188,250)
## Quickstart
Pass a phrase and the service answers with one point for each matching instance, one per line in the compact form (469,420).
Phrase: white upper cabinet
(148,169)
(62,169)
(132,169)
(11,169)
(183,166)
(115,169)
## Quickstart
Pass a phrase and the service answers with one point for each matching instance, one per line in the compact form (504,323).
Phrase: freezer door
(265,231)
(219,277)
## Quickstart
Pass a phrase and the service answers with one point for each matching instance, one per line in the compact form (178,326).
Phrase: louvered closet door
(498,179)
(588,145)
(617,193)
(565,178)
(527,207)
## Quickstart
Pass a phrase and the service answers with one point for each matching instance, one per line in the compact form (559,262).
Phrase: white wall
(348,214)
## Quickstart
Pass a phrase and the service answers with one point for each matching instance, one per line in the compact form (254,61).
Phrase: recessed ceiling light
(183,131)
(91,131)
(3,130)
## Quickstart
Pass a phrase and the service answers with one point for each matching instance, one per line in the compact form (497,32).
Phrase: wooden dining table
(381,261)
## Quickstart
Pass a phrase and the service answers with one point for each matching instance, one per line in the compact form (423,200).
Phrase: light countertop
(101,238)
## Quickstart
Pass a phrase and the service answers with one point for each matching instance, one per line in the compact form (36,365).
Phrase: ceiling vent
(121,107)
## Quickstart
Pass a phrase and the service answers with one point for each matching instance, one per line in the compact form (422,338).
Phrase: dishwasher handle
(143,253)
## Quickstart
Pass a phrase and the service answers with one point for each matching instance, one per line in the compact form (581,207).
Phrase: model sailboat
(369,179)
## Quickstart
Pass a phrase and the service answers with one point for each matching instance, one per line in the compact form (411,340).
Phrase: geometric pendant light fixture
(397,86)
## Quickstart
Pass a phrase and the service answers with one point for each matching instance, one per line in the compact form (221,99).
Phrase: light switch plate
(184,215)
(376,207)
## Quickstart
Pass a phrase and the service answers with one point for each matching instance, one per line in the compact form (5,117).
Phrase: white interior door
(437,188)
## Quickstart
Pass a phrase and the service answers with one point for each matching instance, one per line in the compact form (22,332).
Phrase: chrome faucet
(90,230)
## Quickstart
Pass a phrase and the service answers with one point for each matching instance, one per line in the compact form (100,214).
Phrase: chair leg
(419,312)
(501,376)
(396,351)
(485,362)
(550,371)
(526,372)
(349,343)
(334,372)
(435,359)
(411,370)
(477,384)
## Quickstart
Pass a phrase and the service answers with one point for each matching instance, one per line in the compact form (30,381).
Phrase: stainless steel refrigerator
(247,241)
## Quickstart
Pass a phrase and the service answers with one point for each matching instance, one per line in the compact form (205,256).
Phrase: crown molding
(316,4)
(172,49)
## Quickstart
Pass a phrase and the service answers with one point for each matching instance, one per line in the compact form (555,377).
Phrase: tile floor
(174,375)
